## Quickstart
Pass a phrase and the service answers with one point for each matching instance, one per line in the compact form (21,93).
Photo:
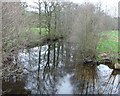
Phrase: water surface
(56,69)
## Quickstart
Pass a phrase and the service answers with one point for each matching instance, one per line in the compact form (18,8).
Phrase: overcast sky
(110,5)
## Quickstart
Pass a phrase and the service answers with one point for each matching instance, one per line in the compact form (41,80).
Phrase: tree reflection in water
(50,68)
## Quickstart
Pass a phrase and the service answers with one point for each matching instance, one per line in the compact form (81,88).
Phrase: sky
(110,6)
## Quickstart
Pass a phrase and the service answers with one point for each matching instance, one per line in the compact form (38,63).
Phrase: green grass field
(44,31)
(109,43)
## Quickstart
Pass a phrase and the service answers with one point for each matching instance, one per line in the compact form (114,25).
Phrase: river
(55,68)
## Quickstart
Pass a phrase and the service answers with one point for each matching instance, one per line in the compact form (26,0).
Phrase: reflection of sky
(104,70)
(30,58)
(64,86)
(107,83)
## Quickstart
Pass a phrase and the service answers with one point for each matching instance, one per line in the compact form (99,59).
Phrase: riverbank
(108,44)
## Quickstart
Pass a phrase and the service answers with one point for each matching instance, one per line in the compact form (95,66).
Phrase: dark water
(56,69)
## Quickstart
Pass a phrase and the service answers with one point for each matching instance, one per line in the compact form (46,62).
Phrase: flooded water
(56,69)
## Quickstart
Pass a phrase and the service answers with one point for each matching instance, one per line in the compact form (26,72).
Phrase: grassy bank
(44,32)
(109,43)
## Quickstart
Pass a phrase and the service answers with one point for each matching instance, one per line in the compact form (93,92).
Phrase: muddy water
(56,69)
